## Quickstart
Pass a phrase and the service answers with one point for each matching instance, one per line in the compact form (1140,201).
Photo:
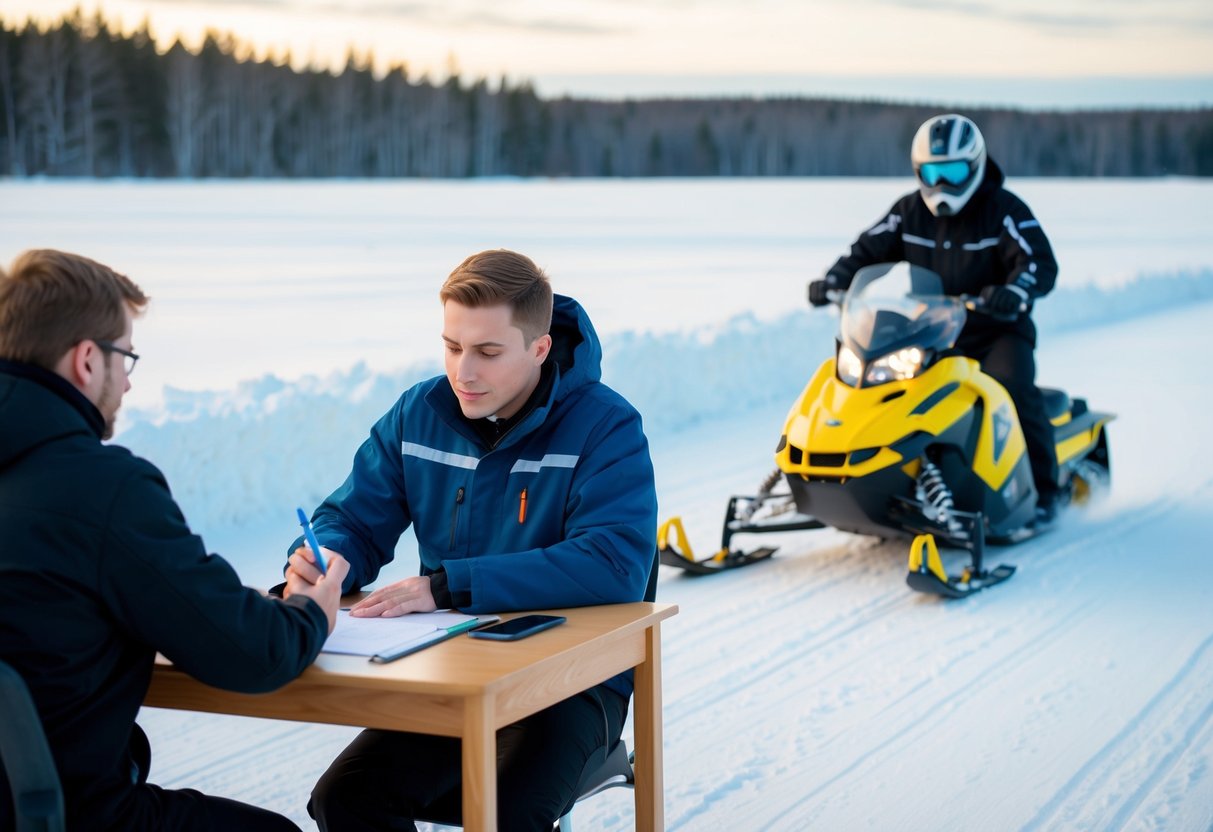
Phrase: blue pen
(311,541)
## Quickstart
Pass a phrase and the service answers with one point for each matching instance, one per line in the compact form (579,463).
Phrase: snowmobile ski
(677,552)
(926,572)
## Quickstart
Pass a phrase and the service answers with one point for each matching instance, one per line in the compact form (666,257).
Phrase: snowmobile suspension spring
(745,509)
(769,483)
(936,497)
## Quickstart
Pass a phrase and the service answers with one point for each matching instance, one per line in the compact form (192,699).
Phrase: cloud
(477,14)
(1074,17)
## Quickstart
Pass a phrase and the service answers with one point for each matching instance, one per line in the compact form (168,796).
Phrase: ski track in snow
(901,715)
(1156,762)
(1134,765)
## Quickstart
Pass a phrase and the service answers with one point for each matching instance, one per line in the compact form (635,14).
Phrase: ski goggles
(953,173)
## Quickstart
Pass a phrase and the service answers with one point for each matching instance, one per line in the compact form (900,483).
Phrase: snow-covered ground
(813,691)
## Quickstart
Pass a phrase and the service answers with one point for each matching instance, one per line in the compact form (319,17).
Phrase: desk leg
(479,766)
(650,788)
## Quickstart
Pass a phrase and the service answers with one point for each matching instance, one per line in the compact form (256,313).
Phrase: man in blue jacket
(98,569)
(528,484)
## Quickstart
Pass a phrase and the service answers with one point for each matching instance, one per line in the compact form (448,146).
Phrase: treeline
(78,98)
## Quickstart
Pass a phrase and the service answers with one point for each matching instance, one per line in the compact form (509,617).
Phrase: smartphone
(516,628)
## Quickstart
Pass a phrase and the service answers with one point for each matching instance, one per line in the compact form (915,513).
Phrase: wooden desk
(469,688)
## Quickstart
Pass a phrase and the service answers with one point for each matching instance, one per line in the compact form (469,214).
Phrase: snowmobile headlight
(896,366)
(849,367)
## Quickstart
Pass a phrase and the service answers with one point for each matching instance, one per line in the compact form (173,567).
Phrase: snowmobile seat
(33,780)
(1057,402)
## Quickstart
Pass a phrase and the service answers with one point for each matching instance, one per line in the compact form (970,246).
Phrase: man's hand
(1004,301)
(409,595)
(325,590)
(303,563)
(819,290)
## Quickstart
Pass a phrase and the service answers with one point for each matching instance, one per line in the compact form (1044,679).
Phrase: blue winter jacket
(588,532)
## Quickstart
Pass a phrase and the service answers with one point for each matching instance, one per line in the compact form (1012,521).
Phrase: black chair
(599,775)
(610,768)
(32,776)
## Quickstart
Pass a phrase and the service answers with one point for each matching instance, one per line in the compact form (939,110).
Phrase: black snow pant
(384,780)
(187,809)
(1011,359)
(147,807)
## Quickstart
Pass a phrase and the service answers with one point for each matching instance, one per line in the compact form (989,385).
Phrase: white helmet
(949,157)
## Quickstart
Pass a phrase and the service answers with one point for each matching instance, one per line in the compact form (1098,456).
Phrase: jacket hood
(34,411)
(576,349)
(992,180)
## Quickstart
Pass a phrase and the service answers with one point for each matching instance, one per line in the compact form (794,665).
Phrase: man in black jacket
(982,240)
(98,569)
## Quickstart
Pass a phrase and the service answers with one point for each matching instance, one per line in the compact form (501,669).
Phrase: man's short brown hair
(502,276)
(52,300)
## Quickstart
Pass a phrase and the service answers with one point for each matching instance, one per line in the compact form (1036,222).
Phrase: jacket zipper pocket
(455,516)
(522,507)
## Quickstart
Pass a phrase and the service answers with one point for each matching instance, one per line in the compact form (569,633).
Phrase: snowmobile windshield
(891,306)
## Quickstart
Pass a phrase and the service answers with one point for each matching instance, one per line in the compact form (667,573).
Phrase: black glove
(1004,301)
(819,289)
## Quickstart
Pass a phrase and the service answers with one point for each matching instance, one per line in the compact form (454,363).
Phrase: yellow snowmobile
(900,434)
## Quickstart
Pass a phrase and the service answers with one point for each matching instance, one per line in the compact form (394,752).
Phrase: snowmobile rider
(982,240)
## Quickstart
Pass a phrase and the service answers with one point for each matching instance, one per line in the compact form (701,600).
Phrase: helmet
(949,157)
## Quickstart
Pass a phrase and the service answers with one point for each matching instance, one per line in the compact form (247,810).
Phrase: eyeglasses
(129,359)
(954,173)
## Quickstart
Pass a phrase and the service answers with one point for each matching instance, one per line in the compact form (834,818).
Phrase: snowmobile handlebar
(973,303)
(976,303)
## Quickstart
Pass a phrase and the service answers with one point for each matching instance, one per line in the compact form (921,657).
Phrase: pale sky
(1107,52)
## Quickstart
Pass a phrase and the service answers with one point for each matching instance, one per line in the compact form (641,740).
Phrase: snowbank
(238,456)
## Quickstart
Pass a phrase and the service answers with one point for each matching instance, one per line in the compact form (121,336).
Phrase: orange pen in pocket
(522,506)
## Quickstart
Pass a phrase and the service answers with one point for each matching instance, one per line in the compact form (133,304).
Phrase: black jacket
(98,573)
(994,240)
